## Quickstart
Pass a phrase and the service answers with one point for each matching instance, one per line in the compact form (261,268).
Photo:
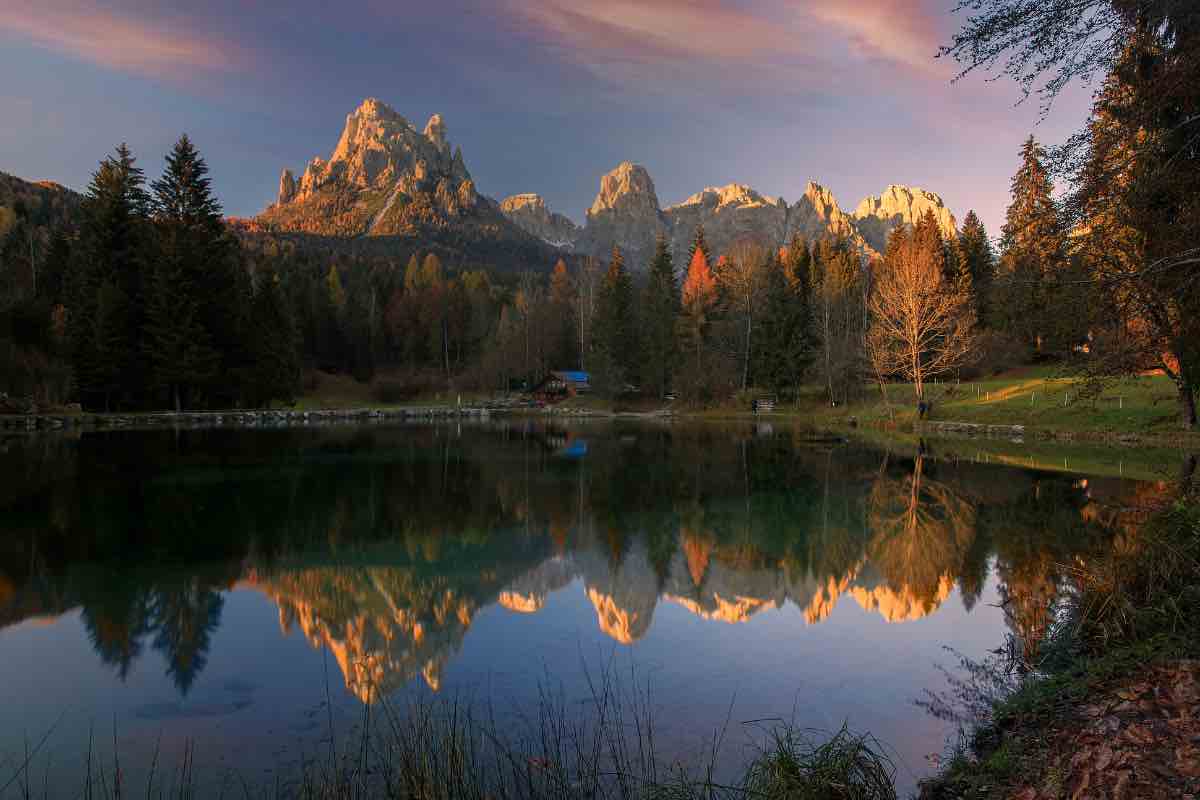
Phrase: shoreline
(256,418)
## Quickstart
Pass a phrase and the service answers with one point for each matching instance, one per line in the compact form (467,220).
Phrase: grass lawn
(1037,398)
(335,391)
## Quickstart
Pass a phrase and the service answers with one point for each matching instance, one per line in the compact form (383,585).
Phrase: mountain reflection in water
(383,545)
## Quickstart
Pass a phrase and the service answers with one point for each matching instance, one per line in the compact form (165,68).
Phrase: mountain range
(387,179)
(390,188)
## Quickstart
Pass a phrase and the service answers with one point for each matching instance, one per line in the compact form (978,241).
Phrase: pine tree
(333,285)
(616,332)
(52,283)
(699,242)
(273,334)
(198,272)
(785,347)
(1032,249)
(177,345)
(660,316)
(563,345)
(976,260)
(110,351)
(107,280)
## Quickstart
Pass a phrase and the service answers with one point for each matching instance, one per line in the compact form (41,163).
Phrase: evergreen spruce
(785,347)
(106,284)
(660,315)
(274,341)
(616,334)
(182,359)
(1032,250)
(199,295)
(976,260)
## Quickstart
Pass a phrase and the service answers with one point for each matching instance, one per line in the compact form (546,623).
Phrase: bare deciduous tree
(922,325)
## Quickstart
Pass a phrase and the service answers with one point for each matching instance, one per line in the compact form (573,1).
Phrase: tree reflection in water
(384,544)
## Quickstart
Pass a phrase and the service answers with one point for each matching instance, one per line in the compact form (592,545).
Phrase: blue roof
(576,449)
(574,376)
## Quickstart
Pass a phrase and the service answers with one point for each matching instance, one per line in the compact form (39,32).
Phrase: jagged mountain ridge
(529,212)
(627,214)
(399,188)
(386,179)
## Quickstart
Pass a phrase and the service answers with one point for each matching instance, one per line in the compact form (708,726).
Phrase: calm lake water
(169,587)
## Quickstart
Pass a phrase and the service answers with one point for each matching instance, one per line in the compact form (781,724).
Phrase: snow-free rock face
(287,187)
(530,213)
(816,215)
(383,178)
(387,178)
(625,214)
(729,214)
(877,216)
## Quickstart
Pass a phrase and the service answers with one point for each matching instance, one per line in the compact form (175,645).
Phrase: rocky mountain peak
(628,187)
(817,215)
(625,214)
(384,177)
(877,216)
(287,187)
(379,148)
(733,194)
(435,132)
(530,213)
(729,214)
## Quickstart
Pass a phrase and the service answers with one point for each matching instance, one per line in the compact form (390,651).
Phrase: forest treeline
(152,301)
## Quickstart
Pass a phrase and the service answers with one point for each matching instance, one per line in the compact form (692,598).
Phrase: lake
(214,588)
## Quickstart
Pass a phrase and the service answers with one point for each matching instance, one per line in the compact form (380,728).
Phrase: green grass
(329,391)
(1034,397)
(1077,457)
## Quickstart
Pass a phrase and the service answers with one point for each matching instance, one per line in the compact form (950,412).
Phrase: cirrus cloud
(162,47)
(820,36)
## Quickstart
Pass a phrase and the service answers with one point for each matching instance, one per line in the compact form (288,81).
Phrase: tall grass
(603,748)
(1149,596)
(1124,610)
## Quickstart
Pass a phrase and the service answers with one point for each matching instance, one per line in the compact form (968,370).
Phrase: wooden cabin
(562,384)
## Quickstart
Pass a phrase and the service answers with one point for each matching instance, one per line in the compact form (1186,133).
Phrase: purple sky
(543,95)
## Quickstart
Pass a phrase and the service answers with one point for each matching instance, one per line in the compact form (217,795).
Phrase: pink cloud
(657,30)
(128,42)
(820,35)
(899,31)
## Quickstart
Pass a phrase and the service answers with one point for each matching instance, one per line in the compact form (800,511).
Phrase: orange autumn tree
(699,299)
(703,369)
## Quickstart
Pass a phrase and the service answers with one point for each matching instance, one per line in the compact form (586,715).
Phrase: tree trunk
(175,391)
(746,366)
(1187,404)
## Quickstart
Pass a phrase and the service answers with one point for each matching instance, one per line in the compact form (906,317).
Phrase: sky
(543,95)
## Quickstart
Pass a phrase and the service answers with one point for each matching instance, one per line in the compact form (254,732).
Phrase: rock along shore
(277,418)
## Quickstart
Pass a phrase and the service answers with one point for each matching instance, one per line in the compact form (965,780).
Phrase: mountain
(396,187)
(626,213)
(729,214)
(47,204)
(529,213)
(878,216)
(385,180)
